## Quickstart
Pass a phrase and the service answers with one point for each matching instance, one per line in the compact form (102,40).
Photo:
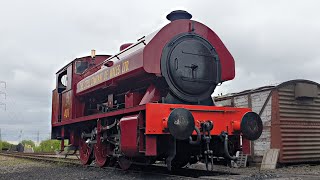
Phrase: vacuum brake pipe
(196,142)
(226,149)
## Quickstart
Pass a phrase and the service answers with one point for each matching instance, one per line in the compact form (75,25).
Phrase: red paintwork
(152,94)
(152,52)
(98,60)
(246,146)
(73,78)
(151,145)
(135,67)
(84,152)
(123,46)
(101,150)
(223,118)
(62,139)
(55,107)
(99,116)
(78,107)
(66,105)
(73,138)
(129,134)
(154,118)
(132,99)
(236,125)
(147,58)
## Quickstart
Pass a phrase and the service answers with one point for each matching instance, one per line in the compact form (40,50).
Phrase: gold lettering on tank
(103,75)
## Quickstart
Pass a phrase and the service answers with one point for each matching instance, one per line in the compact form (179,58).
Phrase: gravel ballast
(17,168)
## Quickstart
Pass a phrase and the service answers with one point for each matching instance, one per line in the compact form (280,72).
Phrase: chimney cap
(178,14)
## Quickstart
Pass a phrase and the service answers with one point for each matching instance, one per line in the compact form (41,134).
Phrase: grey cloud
(271,41)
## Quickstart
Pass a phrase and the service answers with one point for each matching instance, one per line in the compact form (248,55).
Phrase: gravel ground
(15,168)
(302,171)
(19,169)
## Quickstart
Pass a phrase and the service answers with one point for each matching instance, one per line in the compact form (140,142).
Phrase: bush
(48,146)
(28,142)
(4,145)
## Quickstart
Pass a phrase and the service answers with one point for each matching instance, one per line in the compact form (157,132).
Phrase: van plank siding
(290,116)
(299,127)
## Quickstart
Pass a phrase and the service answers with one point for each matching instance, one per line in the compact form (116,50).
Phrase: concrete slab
(270,159)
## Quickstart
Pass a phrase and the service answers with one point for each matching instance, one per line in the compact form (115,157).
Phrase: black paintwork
(181,123)
(251,126)
(178,14)
(191,67)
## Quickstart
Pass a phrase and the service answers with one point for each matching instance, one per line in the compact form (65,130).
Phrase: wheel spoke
(85,152)
(101,151)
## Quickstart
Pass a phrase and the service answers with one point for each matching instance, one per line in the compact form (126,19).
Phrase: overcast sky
(271,42)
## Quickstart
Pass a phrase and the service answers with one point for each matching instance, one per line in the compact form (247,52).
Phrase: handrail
(116,55)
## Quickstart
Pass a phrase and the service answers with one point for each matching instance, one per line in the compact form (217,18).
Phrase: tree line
(44,146)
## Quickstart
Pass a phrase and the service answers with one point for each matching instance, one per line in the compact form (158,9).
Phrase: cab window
(81,66)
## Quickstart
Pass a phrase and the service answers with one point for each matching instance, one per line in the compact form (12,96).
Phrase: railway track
(43,157)
(153,170)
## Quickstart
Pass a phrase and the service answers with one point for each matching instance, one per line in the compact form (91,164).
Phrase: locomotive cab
(63,96)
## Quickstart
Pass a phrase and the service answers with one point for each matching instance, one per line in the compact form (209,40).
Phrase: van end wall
(255,101)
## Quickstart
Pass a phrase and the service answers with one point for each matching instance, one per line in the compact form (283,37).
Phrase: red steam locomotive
(152,101)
